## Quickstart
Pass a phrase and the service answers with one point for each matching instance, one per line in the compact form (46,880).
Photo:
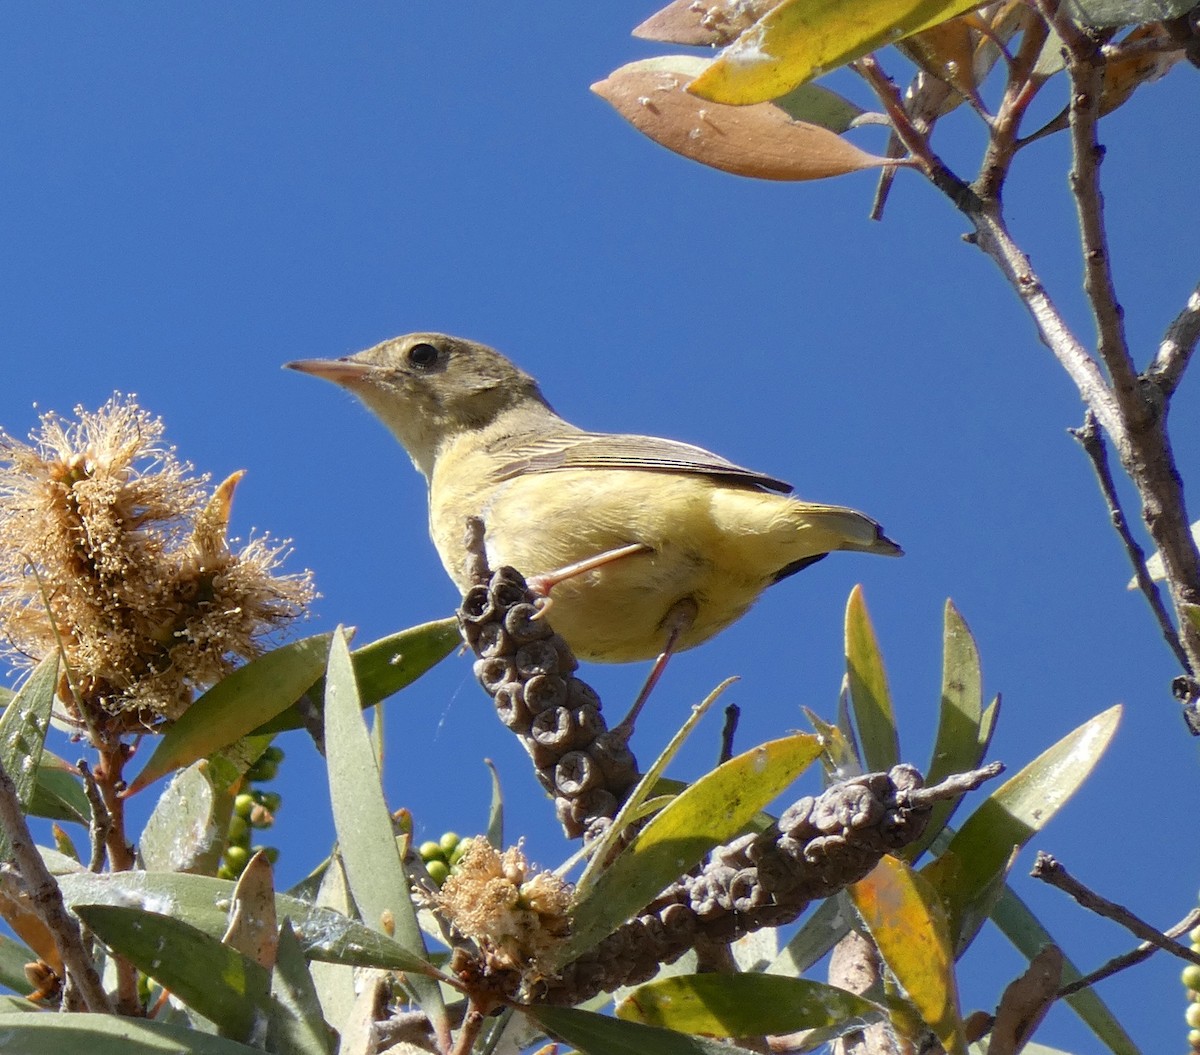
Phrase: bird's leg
(679,618)
(543,584)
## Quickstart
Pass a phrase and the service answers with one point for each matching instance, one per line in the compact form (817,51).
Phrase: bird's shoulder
(519,455)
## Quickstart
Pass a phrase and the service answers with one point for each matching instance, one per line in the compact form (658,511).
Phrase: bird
(646,546)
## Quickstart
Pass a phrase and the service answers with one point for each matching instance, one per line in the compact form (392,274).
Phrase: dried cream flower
(516,918)
(110,548)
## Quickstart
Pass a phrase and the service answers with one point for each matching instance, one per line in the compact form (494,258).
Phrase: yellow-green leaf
(802,39)
(746,1005)
(709,812)
(761,142)
(593,1034)
(23,727)
(870,699)
(905,918)
(981,850)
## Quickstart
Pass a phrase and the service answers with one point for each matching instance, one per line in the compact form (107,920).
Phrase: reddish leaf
(760,141)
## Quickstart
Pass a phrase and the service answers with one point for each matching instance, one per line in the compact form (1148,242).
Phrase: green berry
(1192,1016)
(1194,1039)
(270,852)
(1194,936)
(236,858)
(448,842)
(431,851)
(263,770)
(1190,976)
(243,804)
(275,754)
(239,830)
(438,871)
(225,872)
(459,852)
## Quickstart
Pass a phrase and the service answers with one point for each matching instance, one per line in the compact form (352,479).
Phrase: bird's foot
(544,583)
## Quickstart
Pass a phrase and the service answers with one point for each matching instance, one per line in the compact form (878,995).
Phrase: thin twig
(1128,959)
(1092,442)
(101,820)
(1085,66)
(47,900)
(1178,344)
(1047,869)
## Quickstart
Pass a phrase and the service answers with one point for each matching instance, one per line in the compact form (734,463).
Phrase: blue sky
(195,194)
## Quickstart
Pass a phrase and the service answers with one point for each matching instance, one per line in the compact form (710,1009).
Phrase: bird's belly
(619,612)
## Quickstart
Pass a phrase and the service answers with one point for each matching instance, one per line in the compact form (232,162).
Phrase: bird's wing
(599,450)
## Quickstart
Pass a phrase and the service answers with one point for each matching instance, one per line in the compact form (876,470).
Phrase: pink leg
(679,618)
(543,584)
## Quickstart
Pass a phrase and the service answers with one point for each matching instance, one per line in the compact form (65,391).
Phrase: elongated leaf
(23,727)
(13,958)
(761,142)
(957,747)
(870,698)
(708,25)
(709,812)
(204,903)
(819,933)
(1025,931)
(236,706)
(297,1027)
(184,833)
(58,794)
(217,981)
(22,1034)
(386,666)
(1008,818)
(905,918)
(363,823)
(593,1034)
(650,783)
(746,1005)
(817,105)
(802,39)
(1106,13)
(495,825)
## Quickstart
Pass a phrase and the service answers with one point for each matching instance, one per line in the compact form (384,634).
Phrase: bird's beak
(339,371)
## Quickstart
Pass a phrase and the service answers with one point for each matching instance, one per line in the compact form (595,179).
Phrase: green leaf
(23,728)
(957,747)
(746,1005)
(297,1026)
(183,833)
(906,920)
(23,1034)
(1103,14)
(211,978)
(236,706)
(817,105)
(635,804)
(378,882)
(1017,923)
(981,850)
(204,903)
(709,812)
(495,825)
(870,699)
(802,39)
(593,1034)
(58,794)
(386,666)
(13,958)
(828,925)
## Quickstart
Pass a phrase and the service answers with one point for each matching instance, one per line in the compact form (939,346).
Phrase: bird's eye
(422,355)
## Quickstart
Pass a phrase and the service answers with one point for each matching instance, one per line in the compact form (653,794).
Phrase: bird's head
(429,388)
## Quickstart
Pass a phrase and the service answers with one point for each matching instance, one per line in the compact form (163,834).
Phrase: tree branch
(47,899)
(1178,344)
(1092,443)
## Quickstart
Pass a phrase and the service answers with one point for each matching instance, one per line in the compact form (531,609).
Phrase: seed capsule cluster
(528,670)
(820,845)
